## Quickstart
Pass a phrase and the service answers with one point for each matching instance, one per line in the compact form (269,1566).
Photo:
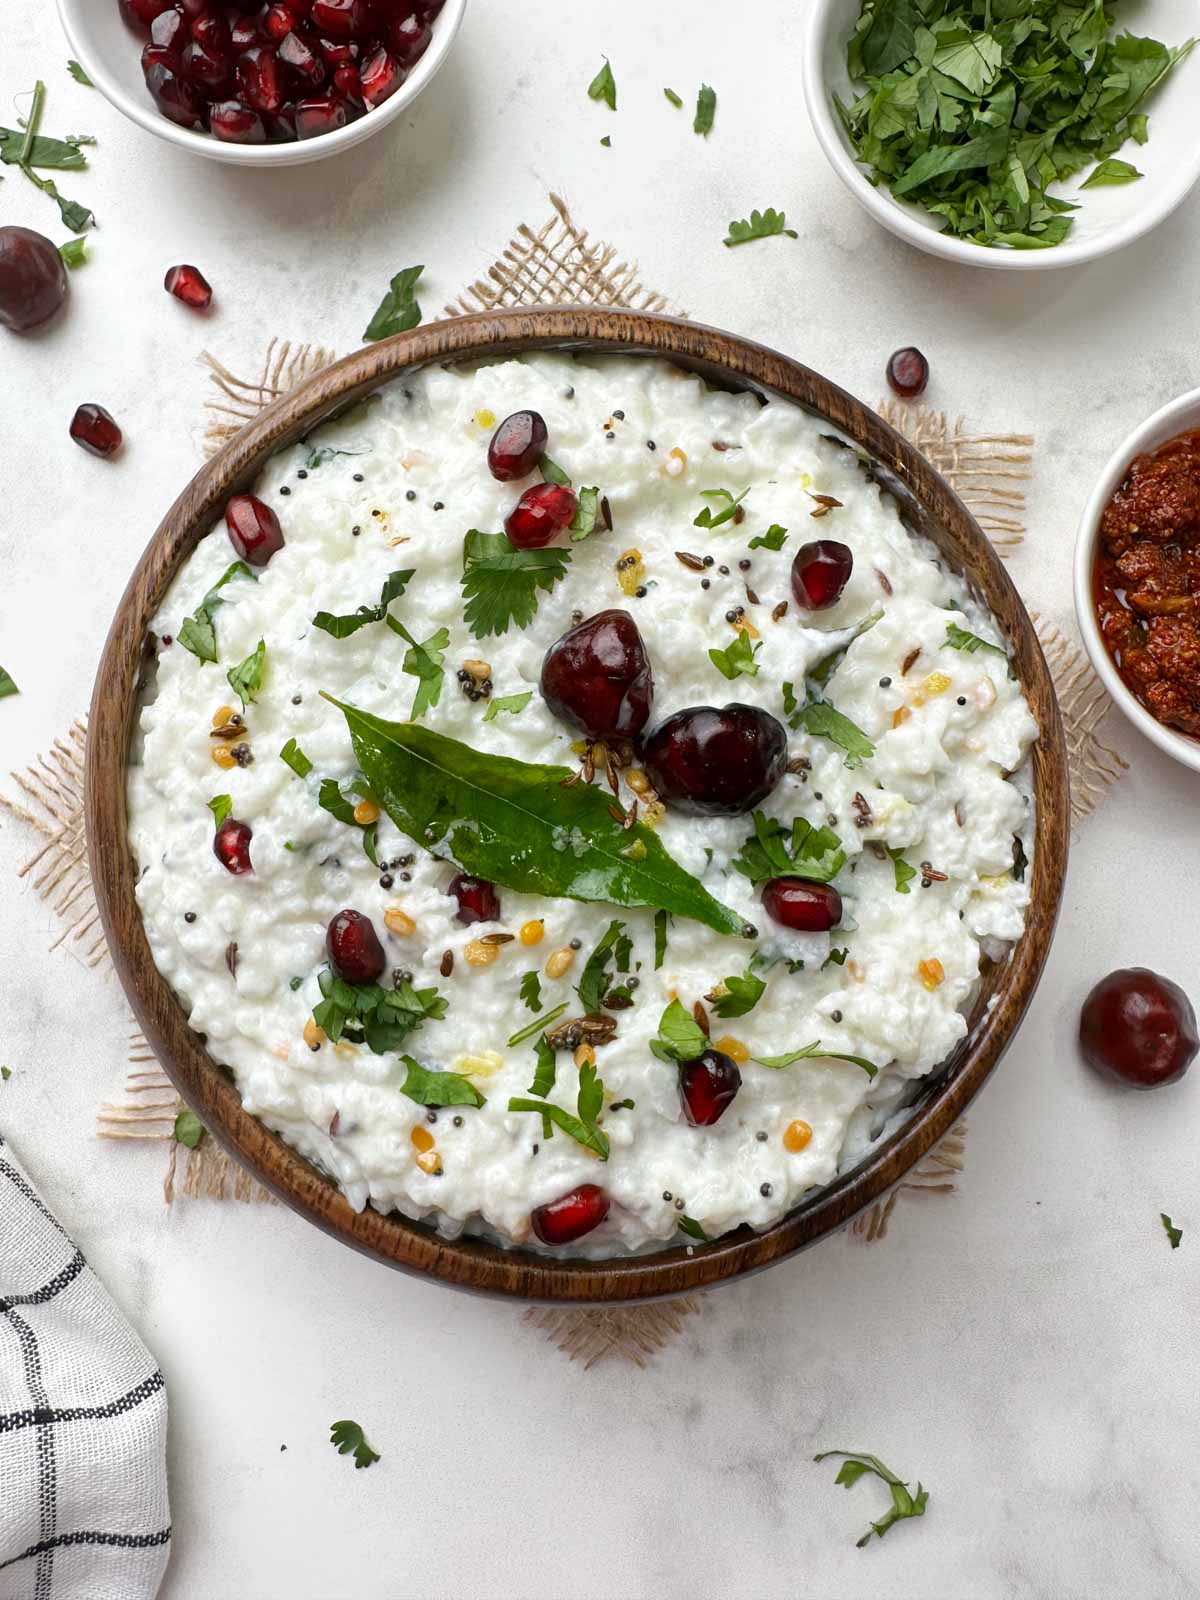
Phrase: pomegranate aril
(707,1087)
(260,79)
(820,572)
(517,446)
(189,285)
(541,513)
(174,96)
(572,1215)
(231,846)
(338,52)
(212,31)
(806,907)
(278,21)
(237,124)
(141,13)
(908,372)
(97,431)
(318,116)
(477,899)
(714,763)
(410,40)
(353,947)
(341,19)
(210,73)
(254,530)
(347,81)
(381,75)
(305,63)
(169,31)
(598,677)
(281,128)
(244,34)
(155,55)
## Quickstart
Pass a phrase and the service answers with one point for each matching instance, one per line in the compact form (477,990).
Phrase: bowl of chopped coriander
(1016,134)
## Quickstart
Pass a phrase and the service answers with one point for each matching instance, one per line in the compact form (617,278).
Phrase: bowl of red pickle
(261,82)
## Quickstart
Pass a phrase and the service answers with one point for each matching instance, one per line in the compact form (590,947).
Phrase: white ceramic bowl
(1180,416)
(110,54)
(1108,217)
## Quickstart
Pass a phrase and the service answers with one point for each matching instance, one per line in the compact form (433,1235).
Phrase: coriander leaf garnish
(773,539)
(74,252)
(341,627)
(675,99)
(382,1017)
(438,1088)
(331,798)
(660,938)
(188,1129)
(514,703)
(587,511)
(759,225)
(246,678)
(904,872)
(735,996)
(423,661)
(722,507)
(836,958)
(542,1022)
(515,824)
(582,1128)
(531,991)
(706,110)
(1173,1233)
(547,1066)
(347,1437)
(296,759)
(500,583)
(680,1036)
(595,981)
(553,473)
(810,852)
(198,633)
(959,639)
(398,310)
(1112,172)
(5,1074)
(824,669)
(692,1228)
(221,805)
(738,660)
(823,721)
(27,149)
(604,86)
(607,141)
(7,686)
(854,1465)
(808,1052)
(79,75)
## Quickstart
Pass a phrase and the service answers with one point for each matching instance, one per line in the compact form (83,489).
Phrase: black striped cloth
(84,1513)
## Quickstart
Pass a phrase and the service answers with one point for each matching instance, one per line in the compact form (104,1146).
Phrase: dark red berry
(231,846)
(174,96)
(806,907)
(908,372)
(410,40)
(598,677)
(235,123)
(353,948)
(97,431)
(189,285)
(33,278)
(714,763)
(254,530)
(260,79)
(477,899)
(540,515)
(320,115)
(517,446)
(571,1215)
(1139,1027)
(707,1087)
(341,19)
(380,75)
(820,572)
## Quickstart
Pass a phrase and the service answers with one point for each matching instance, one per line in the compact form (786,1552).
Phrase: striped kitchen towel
(83,1421)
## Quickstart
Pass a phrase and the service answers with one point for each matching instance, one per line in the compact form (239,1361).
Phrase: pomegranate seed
(189,285)
(260,79)
(410,40)
(236,124)
(318,116)
(154,55)
(141,13)
(278,21)
(169,31)
(820,572)
(96,430)
(707,1087)
(517,446)
(341,19)
(192,8)
(282,127)
(353,948)
(212,31)
(338,52)
(245,33)
(296,54)
(430,8)
(1139,1027)
(542,512)
(381,76)
(477,899)
(174,97)
(908,372)
(806,907)
(212,74)
(231,846)
(571,1215)
(347,81)
(254,530)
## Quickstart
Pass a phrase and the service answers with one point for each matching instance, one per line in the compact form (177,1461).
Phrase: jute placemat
(557,263)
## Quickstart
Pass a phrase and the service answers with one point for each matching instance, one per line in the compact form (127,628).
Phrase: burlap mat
(556,264)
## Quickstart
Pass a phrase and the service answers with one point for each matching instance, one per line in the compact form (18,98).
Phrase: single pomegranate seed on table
(598,677)
(410,40)
(321,115)
(231,846)
(33,278)
(541,513)
(517,446)
(97,431)
(341,19)
(189,285)
(381,75)
(173,95)
(235,123)
(572,1215)
(908,372)
(820,572)
(712,763)
(806,907)
(254,530)
(1139,1027)
(260,79)
(353,947)
(477,899)
(708,1085)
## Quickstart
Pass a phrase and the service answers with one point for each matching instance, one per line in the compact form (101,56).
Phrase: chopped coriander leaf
(296,759)
(341,627)
(221,806)
(854,1465)
(722,507)
(660,938)
(675,100)
(706,110)
(74,252)
(60,155)
(810,1051)
(836,958)
(582,1127)
(959,639)
(198,633)
(295,983)
(604,86)
(1112,172)
(514,703)
(824,669)
(903,871)
(383,1017)
(607,141)
(823,721)
(7,686)
(547,1067)
(809,852)
(331,798)
(424,662)
(1173,1233)
(737,996)
(438,1088)
(553,473)
(758,225)
(188,1130)
(587,511)
(596,979)
(398,310)
(773,539)
(500,583)
(347,1437)
(5,1074)
(531,991)
(318,456)
(738,660)
(680,1036)
(246,678)
(692,1228)
(79,75)
(543,1022)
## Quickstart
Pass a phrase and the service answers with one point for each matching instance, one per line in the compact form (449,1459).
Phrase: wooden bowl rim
(471,1263)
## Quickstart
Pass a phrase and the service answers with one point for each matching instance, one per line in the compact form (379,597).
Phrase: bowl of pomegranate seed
(262,85)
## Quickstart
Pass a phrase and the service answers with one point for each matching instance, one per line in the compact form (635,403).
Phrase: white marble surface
(1027,1348)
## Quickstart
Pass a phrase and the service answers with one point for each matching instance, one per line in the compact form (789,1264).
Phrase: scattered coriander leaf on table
(759,225)
(398,310)
(604,86)
(74,252)
(1111,172)
(675,99)
(706,110)
(438,1088)
(79,75)
(500,583)
(855,1465)
(189,1130)
(512,703)
(1173,1233)
(347,1437)
(738,660)
(7,686)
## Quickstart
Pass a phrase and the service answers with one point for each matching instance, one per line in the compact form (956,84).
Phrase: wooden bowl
(928,505)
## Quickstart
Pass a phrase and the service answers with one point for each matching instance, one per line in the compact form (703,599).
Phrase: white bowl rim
(144,113)
(1167,422)
(896,219)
